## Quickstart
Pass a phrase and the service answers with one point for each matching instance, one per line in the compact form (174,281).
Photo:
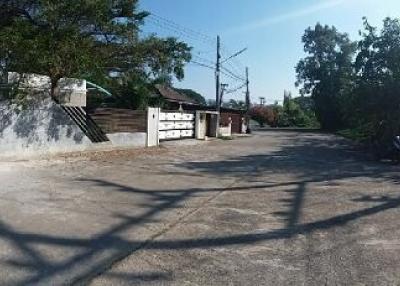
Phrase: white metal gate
(176,125)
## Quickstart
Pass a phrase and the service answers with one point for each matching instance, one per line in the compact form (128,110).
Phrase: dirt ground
(279,208)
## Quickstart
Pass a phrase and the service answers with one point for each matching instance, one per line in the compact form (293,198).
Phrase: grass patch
(358,135)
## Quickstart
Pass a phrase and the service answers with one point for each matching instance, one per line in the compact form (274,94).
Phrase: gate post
(153,115)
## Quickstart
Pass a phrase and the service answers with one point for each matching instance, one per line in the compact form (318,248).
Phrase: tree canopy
(235,104)
(295,112)
(355,86)
(326,73)
(375,108)
(84,38)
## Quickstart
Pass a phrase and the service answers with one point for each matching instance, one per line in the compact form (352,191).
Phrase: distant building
(174,98)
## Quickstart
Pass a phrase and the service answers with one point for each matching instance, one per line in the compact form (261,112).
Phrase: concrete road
(280,208)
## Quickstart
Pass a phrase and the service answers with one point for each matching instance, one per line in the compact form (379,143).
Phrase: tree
(235,104)
(264,115)
(327,72)
(193,95)
(292,114)
(84,38)
(211,103)
(132,94)
(359,93)
(376,100)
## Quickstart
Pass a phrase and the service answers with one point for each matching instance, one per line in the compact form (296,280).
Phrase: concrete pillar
(153,120)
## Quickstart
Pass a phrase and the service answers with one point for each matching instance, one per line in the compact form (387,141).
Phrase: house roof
(172,95)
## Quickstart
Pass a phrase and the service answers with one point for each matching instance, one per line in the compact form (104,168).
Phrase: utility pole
(221,98)
(248,102)
(218,75)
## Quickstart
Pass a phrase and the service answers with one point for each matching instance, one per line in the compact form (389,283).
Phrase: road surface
(279,208)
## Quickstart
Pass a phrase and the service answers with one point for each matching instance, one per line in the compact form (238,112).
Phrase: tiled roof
(172,95)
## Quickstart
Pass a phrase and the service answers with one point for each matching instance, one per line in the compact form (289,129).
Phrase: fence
(112,120)
(235,119)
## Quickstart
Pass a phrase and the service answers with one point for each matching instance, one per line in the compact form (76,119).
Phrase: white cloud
(262,23)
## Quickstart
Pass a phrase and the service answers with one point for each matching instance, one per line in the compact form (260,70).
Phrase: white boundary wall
(42,128)
(72,91)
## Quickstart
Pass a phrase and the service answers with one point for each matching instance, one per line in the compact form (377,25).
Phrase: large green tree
(327,72)
(376,101)
(84,38)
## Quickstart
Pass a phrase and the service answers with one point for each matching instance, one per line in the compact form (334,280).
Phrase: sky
(271,30)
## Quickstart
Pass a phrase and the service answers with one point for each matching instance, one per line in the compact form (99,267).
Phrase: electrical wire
(228,74)
(231,68)
(184,29)
(235,89)
(223,69)
(201,64)
(233,61)
(180,33)
(204,59)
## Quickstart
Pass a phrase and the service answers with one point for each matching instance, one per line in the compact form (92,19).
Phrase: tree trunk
(55,90)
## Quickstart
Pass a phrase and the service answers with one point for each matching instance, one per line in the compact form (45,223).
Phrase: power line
(177,33)
(189,33)
(186,32)
(232,74)
(180,33)
(193,35)
(235,89)
(224,70)
(234,61)
(181,27)
(201,64)
(212,68)
(204,59)
(232,69)
(203,52)
(235,55)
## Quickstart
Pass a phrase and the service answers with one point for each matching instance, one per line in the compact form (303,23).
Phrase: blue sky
(270,29)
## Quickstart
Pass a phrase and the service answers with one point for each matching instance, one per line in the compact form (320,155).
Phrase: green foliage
(357,134)
(327,72)
(165,57)
(211,103)
(134,93)
(297,112)
(355,88)
(85,39)
(264,115)
(375,104)
(235,104)
(192,95)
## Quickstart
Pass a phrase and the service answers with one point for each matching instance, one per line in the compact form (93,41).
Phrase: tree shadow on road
(310,160)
